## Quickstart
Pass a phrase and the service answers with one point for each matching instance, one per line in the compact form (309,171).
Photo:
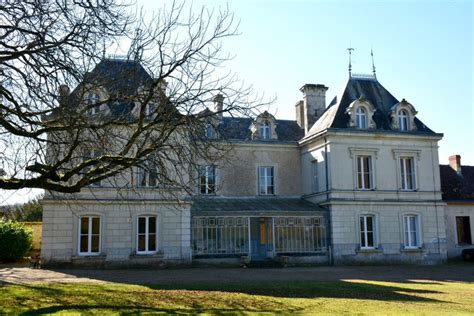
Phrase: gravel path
(22,275)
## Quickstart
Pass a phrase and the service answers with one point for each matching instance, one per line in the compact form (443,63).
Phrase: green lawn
(351,296)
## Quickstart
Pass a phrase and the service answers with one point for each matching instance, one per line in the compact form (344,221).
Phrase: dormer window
(403,120)
(209,131)
(361,118)
(264,127)
(92,100)
(403,116)
(148,109)
(265,132)
(361,113)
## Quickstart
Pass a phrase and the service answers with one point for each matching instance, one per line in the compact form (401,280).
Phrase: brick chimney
(299,106)
(314,103)
(455,163)
(219,105)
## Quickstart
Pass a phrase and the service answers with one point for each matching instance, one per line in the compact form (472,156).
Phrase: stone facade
(352,190)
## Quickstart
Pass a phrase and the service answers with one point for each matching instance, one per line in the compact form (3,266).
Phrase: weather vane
(350,64)
(373,64)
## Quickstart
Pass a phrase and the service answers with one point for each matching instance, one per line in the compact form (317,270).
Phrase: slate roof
(119,76)
(335,114)
(237,128)
(258,204)
(457,187)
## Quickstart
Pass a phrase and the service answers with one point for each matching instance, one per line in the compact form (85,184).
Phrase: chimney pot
(455,163)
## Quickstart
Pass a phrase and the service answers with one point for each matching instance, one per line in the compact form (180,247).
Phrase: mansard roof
(237,128)
(368,88)
(119,76)
(457,187)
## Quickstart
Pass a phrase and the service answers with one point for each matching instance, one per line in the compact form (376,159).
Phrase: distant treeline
(31,211)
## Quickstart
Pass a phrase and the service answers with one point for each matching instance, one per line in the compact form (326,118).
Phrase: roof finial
(350,62)
(373,64)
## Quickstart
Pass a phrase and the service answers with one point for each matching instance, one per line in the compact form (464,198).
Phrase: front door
(261,237)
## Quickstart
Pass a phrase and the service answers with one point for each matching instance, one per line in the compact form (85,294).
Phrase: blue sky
(422,49)
(423,53)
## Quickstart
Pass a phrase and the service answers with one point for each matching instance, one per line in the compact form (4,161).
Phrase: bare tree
(149,113)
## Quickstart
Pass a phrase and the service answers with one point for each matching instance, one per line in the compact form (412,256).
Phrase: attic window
(361,118)
(265,132)
(403,120)
(92,100)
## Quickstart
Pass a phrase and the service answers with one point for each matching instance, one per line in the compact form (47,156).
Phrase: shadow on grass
(214,298)
(139,310)
(312,289)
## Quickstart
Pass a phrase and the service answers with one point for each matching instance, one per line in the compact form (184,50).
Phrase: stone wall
(118,232)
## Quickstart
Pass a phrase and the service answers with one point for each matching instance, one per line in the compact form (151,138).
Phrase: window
(411,231)
(147,174)
(364,172)
(148,109)
(209,131)
(94,154)
(367,229)
(265,130)
(407,172)
(207,179)
(403,120)
(314,178)
(92,100)
(220,235)
(147,235)
(266,181)
(89,235)
(463,229)
(361,118)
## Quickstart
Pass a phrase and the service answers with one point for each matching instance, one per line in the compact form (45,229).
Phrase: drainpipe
(331,254)
(434,197)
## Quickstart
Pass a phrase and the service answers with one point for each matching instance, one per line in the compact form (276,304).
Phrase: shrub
(15,240)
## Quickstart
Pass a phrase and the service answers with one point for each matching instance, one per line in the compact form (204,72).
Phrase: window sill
(146,255)
(91,257)
(369,250)
(411,250)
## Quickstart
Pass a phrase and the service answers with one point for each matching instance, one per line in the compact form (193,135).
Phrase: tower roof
(367,87)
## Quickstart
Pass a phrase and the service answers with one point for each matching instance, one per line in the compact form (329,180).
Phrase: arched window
(361,118)
(403,120)
(92,100)
(265,130)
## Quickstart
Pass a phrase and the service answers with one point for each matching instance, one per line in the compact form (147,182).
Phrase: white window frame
(89,235)
(361,185)
(147,235)
(207,172)
(355,153)
(364,230)
(314,176)
(265,130)
(93,98)
(361,117)
(209,131)
(407,232)
(144,172)
(265,177)
(404,178)
(148,109)
(403,121)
